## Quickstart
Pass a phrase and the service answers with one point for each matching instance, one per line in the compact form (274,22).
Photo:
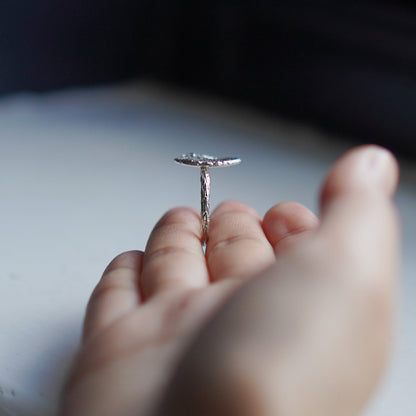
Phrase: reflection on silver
(205,162)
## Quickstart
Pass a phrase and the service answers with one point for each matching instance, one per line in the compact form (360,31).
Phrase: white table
(85,174)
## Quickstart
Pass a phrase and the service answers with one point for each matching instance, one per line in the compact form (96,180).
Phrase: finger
(237,246)
(287,223)
(116,293)
(174,259)
(359,220)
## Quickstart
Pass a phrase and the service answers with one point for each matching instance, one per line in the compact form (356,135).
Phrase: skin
(288,315)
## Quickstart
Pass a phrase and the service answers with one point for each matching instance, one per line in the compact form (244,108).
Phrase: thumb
(359,220)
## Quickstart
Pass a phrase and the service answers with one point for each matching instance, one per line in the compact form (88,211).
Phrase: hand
(284,316)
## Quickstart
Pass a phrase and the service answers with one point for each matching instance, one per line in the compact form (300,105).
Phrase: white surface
(84,175)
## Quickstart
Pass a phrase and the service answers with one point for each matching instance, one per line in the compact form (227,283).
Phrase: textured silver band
(205,196)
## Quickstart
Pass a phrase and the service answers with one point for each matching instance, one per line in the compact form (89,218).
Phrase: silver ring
(204,162)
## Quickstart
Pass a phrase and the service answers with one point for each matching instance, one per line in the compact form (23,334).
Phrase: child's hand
(284,316)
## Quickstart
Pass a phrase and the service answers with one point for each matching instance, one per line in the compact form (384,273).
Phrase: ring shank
(205,207)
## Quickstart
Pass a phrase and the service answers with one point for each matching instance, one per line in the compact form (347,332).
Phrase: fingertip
(116,293)
(285,221)
(129,259)
(178,215)
(237,246)
(368,170)
(234,206)
(174,259)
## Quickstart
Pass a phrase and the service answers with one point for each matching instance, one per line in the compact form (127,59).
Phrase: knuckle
(170,250)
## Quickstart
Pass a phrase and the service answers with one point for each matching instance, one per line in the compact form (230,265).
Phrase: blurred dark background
(347,66)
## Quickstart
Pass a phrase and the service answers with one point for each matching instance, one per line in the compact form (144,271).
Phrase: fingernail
(377,168)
